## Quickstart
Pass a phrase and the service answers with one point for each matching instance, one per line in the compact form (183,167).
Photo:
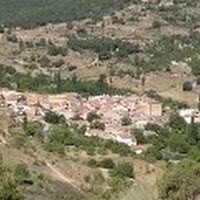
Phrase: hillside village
(110,111)
(100,100)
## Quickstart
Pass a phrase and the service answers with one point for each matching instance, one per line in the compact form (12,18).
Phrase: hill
(128,43)
(100,47)
(40,169)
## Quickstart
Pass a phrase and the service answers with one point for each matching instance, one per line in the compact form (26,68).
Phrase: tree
(33,128)
(92,116)
(139,136)
(156,24)
(45,62)
(153,153)
(187,86)
(92,163)
(182,181)
(22,173)
(194,133)
(123,170)
(97,125)
(107,163)
(1,29)
(126,121)
(12,38)
(53,118)
(8,185)
(177,122)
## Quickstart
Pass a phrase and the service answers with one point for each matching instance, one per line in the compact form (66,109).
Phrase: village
(117,115)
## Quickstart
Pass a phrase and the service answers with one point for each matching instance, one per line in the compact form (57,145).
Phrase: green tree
(126,121)
(9,189)
(53,118)
(182,181)
(107,163)
(33,128)
(139,136)
(123,170)
(22,173)
(92,116)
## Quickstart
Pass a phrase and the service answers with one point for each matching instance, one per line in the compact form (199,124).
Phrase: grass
(139,192)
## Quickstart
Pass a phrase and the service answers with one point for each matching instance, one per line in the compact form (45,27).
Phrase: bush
(33,128)
(181,182)
(123,170)
(41,43)
(92,163)
(107,163)
(187,86)
(22,173)
(54,50)
(126,121)
(58,63)
(12,38)
(92,116)
(53,118)
(153,127)
(2,29)
(153,153)
(9,189)
(156,24)
(97,125)
(139,136)
(45,62)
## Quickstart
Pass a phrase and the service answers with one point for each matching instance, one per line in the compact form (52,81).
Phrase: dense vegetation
(178,143)
(105,47)
(61,140)
(160,53)
(175,141)
(44,83)
(18,182)
(181,182)
(32,13)
(61,136)
(9,188)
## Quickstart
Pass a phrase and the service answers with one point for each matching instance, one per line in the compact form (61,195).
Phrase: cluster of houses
(75,108)
(190,115)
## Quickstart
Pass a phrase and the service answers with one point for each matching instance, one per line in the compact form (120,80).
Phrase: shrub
(156,24)
(153,153)
(92,116)
(123,170)
(187,86)
(126,121)
(92,163)
(54,50)
(139,136)
(54,118)
(58,63)
(45,62)
(97,125)
(22,173)
(107,163)
(8,185)
(33,129)
(42,42)
(2,29)
(12,38)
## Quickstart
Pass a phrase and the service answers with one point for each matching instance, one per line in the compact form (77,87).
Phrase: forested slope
(30,13)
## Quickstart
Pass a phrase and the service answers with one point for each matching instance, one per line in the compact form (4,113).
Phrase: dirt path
(62,177)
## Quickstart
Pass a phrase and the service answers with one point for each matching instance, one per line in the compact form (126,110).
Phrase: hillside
(75,174)
(142,40)
(99,99)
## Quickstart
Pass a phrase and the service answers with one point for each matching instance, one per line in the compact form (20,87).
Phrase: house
(190,115)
